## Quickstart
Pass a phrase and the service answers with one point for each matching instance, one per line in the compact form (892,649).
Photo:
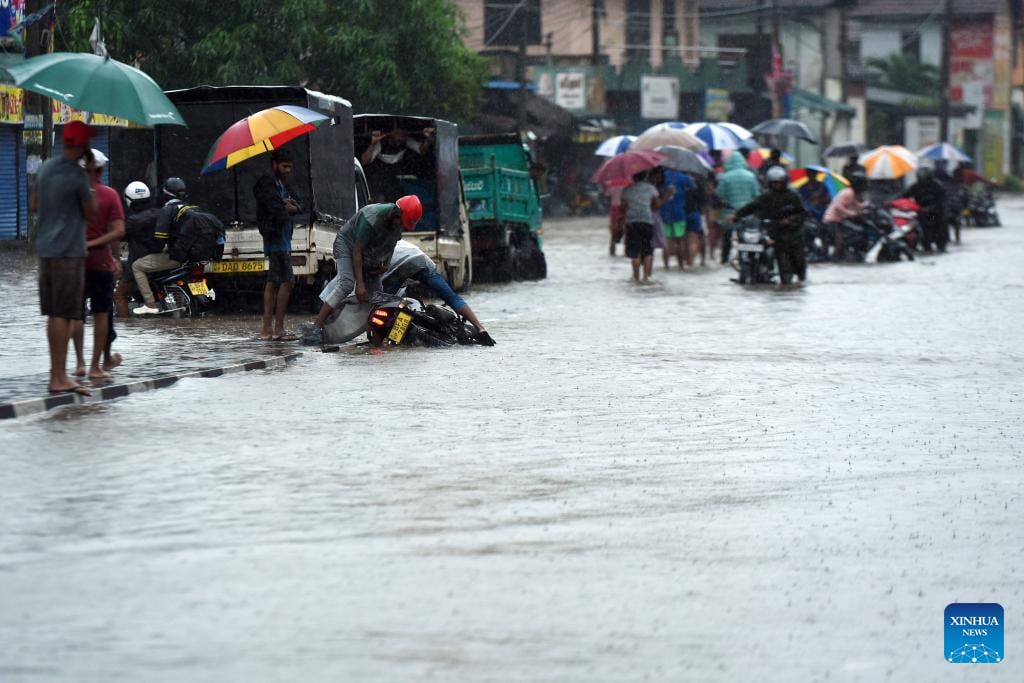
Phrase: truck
(327,178)
(504,204)
(425,163)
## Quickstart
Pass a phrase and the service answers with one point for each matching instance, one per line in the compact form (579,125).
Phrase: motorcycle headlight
(750,236)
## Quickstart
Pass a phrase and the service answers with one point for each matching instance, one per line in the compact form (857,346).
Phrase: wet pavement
(684,481)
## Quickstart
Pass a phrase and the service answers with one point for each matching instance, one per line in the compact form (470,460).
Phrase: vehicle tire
(506,266)
(746,272)
(995,220)
(466,277)
(909,253)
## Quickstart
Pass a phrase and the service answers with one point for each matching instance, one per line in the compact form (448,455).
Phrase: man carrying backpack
(275,206)
(164,235)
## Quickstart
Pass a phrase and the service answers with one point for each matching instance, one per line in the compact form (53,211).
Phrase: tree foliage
(401,56)
(907,74)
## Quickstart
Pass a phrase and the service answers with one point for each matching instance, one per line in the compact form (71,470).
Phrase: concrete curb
(32,406)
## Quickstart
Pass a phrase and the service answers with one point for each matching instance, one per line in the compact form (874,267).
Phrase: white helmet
(137,191)
(776,174)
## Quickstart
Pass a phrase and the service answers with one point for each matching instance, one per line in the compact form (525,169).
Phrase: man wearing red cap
(363,249)
(64,200)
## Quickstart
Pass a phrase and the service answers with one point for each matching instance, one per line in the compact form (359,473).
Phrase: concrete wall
(801,45)
(883,40)
(569,22)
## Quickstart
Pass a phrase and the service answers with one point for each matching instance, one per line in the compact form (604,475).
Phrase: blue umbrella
(718,135)
(943,150)
(615,145)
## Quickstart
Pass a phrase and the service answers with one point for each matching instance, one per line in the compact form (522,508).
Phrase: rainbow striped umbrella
(834,183)
(888,162)
(260,132)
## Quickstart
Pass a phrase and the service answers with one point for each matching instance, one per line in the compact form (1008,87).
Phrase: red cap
(412,210)
(77,134)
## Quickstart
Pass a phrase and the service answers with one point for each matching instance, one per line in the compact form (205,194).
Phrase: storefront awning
(811,100)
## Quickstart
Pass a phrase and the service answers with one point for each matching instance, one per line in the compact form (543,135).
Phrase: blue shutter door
(22,186)
(9,181)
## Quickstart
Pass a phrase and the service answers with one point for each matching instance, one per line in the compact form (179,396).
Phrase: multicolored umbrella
(615,145)
(719,135)
(834,183)
(260,132)
(665,134)
(757,157)
(99,85)
(943,150)
(888,162)
(620,169)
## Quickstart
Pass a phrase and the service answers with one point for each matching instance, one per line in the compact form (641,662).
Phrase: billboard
(659,97)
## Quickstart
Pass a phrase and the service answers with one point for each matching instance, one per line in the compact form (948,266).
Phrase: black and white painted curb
(32,406)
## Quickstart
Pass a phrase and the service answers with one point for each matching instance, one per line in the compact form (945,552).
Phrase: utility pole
(947,20)
(777,46)
(521,11)
(595,32)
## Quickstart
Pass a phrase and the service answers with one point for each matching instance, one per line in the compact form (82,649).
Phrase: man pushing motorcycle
(363,249)
(786,213)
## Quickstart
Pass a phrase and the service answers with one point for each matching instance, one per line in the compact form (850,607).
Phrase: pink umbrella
(620,169)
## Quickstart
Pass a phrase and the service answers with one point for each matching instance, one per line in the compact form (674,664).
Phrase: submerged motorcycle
(873,238)
(755,257)
(407,322)
(981,208)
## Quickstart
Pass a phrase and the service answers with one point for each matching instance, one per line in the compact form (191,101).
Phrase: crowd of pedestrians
(691,218)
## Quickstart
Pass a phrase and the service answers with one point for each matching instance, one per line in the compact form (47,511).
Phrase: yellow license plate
(238,266)
(397,333)
(198,288)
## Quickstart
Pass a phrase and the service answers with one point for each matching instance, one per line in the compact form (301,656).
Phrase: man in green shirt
(362,251)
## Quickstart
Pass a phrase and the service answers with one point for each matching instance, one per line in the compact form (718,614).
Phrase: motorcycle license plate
(237,266)
(758,248)
(398,330)
(198,288)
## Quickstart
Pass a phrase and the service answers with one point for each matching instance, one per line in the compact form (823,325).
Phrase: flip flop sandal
(286,337)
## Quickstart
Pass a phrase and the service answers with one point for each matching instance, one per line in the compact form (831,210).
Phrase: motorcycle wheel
(746,272)
(995,220)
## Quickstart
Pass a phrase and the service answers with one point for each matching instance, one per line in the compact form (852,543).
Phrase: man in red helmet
(363,249)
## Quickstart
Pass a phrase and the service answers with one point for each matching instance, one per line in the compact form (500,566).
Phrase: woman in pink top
(849,203)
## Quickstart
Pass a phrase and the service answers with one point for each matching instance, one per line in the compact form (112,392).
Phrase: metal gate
(9,182)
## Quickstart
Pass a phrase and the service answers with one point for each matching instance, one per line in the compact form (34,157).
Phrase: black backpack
(200,236)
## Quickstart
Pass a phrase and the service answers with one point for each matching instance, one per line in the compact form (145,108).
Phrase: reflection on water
(687,481)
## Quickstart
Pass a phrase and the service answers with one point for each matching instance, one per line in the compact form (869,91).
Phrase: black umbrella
(786,128)
(681,159)
(846,149)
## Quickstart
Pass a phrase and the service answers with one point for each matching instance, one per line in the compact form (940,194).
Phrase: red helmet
(412,210)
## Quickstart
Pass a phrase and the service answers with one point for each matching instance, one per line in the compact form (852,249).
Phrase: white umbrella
(657,136)
(718,135)
(943,150)
(615,145)
(667,125)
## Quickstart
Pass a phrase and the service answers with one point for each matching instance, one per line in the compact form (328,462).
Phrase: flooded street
(684,481)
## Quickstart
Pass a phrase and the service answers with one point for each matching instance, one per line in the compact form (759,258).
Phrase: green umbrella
(99,85)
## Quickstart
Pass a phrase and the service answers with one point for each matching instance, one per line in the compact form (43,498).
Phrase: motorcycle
(981,208)
(817,240)
(407,322)
(181,292)
(873,238)
(904,217)
(755,257)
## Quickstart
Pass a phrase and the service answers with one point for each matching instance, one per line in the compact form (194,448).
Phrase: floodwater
(685,481)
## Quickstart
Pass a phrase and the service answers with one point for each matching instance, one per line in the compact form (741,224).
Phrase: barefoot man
(64,200)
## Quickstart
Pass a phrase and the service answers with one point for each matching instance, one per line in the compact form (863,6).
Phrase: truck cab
(504,206)
(326,179)
(420,156)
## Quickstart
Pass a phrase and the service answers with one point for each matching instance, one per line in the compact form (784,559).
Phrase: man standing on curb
(65,204)
(105,230)
(275,206)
